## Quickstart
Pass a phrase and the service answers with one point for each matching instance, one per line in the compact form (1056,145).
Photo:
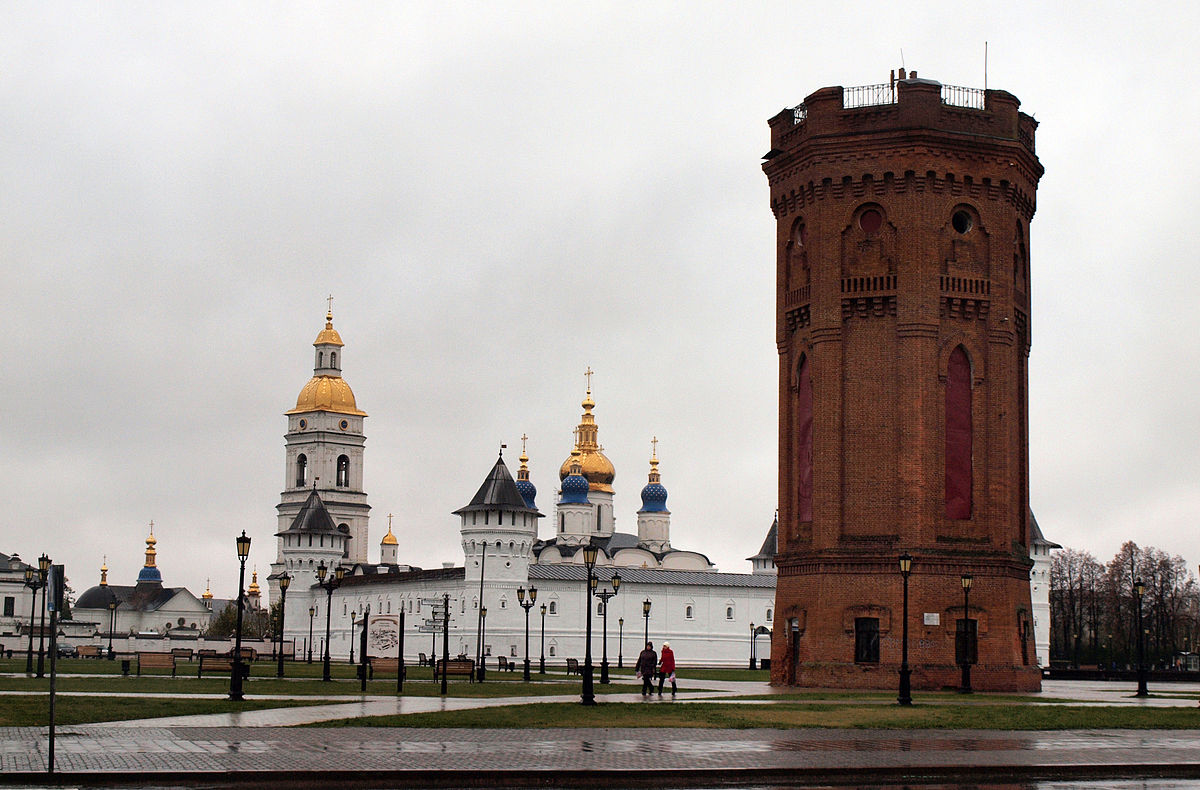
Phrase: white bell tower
(323,451)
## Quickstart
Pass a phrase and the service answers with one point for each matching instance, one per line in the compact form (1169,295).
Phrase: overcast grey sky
(499,195)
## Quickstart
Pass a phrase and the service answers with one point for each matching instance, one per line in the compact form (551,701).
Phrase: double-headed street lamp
(646,616)
(967,640)
(43,572)
(526,605)
(1139,590)
(606,595)
(235,676)
(905,697)
(285,581)
(588,696)
(35,580)
(542,661)
(329,586)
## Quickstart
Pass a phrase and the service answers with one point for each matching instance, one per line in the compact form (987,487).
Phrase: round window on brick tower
(961,221)
(870,220)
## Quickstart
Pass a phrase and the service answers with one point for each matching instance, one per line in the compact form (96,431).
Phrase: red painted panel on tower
(958,436)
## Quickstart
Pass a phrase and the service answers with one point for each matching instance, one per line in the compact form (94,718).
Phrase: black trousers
(648,683)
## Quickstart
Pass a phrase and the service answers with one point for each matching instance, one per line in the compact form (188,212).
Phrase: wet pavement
(263,748)
(675,757)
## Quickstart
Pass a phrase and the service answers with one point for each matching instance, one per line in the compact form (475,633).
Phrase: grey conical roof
(498,492)
(770,546)
(313,518)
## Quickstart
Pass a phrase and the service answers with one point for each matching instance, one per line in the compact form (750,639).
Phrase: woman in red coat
(666,668)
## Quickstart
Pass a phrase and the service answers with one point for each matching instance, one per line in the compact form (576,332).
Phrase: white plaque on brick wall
(933,618)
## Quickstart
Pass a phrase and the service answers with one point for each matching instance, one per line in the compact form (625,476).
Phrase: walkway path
(664,757)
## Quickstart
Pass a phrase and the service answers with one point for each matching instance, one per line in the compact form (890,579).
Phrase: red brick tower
(902,216)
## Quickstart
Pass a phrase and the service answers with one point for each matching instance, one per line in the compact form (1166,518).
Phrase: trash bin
(764,663)
(125,667)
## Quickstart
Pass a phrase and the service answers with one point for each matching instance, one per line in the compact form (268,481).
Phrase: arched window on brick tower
(804,442)
(958,435)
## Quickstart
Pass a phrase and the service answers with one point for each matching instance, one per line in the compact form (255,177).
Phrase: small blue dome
(654,498)
(150,575)
(574,490)
(528,492)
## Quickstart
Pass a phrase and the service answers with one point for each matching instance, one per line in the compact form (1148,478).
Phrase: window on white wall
(728,612)
(770,614)
(687,612)
(553,608)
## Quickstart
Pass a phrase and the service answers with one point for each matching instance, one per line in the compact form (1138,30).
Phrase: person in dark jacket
(666,670)
(646,663)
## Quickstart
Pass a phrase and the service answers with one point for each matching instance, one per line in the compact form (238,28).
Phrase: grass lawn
(796,715)
(33,711)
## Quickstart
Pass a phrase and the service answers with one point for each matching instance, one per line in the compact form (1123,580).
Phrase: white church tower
(595,467)
(324,453)
(654,520)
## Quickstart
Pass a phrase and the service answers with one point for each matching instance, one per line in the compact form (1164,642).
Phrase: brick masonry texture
(902,234)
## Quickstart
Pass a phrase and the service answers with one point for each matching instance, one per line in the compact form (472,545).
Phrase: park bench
(455,666)
(155,661)
(506,665)
(573,666)
(422,660)
(389,665)
(89,651)
(219,665)
(184,653)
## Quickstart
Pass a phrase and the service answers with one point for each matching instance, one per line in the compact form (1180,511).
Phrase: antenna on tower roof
(902,65)
(985,65)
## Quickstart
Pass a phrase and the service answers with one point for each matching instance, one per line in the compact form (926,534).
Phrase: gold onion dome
(327,393)
(254,588)
(328,336)
(593,464)
(389,539)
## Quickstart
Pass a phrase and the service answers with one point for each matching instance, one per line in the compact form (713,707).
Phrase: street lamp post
(235,676)
(606,596)
(620,643)
(43,572)
(285,581)
(526,605)
(1139,590)
(588,697)
(329,586)
(112,622)
(905,697)
(646,617)
(33,581)
(966,580)
(482,636)
(542,660)
(753,658)
(312,610)
(353,617)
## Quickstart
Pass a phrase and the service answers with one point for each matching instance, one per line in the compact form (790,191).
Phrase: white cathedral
(323,517)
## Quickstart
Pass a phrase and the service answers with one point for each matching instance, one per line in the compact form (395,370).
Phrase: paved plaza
(259,748)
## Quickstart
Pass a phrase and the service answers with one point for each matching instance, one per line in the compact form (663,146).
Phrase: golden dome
(389,539)
(594,465)
(327,393)
(254,589)
(328,336)
(207,590)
